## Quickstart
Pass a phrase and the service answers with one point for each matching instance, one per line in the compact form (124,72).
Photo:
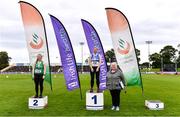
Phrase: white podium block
(154,104)
(38,103)
(94,101)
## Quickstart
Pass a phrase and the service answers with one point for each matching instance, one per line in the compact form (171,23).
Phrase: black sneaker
(91,90)
(40,96)
(98,91)
(35,96)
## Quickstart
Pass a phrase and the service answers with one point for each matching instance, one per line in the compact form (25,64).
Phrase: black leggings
(92,77)
(115,94)
(38,80)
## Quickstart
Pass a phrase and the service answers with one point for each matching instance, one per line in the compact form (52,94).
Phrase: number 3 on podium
(157,105)
(95,99)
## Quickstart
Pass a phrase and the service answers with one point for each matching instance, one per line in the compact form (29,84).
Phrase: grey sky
(156,20)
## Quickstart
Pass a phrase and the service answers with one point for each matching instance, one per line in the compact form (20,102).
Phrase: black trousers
(115,94)
(38,81)
(92,77)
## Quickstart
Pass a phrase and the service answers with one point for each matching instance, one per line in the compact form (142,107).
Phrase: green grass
(16,89)
(154,70)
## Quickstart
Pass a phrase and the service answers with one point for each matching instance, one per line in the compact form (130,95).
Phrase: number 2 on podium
(35,102)
(95,99)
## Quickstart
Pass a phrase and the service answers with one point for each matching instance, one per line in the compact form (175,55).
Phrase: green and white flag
(35,36)
(124,46)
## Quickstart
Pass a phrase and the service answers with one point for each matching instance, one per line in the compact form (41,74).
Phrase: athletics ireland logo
(36,42)
(123,47)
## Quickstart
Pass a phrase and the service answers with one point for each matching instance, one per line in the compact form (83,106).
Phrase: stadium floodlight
(81,43)
(148,43)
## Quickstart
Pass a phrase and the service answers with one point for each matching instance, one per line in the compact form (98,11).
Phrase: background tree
(110,55)
(168,53)
(178,59)
(138,55)
(156,60)
(4,59)
(145,65)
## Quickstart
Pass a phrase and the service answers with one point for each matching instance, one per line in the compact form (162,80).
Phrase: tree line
(168,55)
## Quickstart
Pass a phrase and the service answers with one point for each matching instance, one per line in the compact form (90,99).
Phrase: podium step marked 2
(94,101)
(38,103)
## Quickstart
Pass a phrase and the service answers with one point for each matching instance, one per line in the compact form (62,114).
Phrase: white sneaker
(113,108)
(117,108)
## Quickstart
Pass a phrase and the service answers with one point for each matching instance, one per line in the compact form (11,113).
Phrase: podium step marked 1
(94,101)
(38,103)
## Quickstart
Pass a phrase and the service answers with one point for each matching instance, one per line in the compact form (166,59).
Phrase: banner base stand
(38,103)
(94,101)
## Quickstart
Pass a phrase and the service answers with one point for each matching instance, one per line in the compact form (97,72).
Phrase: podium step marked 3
(154,104)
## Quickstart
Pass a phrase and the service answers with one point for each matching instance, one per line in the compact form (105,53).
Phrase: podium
(94,101)
(154,104)
(38,103)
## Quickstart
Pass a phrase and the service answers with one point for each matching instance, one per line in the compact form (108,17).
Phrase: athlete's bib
(95,59)
(39,68)
(37,71)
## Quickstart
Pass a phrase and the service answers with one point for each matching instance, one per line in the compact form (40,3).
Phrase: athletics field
(16,89)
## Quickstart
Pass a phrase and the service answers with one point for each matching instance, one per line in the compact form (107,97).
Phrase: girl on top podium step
(94,63)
